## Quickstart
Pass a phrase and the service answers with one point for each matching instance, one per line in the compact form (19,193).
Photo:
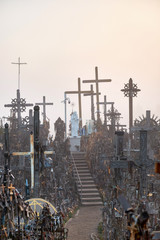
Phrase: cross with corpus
(19,64)
(92,101)
(105,103)
(97,81)
(130,90)
(44,108)
(79,92)
(18,105)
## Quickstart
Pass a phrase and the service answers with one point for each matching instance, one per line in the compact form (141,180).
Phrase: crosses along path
(84,223)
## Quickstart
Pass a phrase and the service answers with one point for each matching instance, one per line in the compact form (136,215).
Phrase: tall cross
(31,154)
(97,81)
(92,101)
(79,92)
(18,105)
(130,90)
(19,63)
(105,103)
(44,108)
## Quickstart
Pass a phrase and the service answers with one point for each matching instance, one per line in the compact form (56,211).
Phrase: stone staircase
(89,192)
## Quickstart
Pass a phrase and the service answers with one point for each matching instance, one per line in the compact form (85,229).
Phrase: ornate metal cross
(130,90)
(18,105)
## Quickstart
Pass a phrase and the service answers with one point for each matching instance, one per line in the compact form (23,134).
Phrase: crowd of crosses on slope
(119,170)
(56,184)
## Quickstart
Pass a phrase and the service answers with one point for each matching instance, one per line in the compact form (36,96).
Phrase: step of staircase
(88,190)
(90,194)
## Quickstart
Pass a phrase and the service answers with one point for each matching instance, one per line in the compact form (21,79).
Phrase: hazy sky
(62,40)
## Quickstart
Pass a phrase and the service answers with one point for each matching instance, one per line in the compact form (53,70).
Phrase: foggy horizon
(63,40)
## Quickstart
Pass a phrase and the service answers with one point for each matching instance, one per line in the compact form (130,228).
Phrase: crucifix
(92,101)
(79,92)
(44,108)
(19,64)
(18,105)
(105,103)
(97,81)
(130,90)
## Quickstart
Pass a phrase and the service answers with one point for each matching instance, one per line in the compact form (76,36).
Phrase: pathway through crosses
(82,225)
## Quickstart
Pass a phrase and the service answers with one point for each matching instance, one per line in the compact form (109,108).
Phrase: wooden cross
(19,64)
(130,90)
(92,101)
(11,188)
(44,108)
(97,81)
(31,154)
(3,187)
(105,103)
(79,92)
(18,105)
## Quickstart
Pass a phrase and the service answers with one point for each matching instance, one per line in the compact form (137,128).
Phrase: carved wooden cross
(79,92)
(44,108)
(97,81)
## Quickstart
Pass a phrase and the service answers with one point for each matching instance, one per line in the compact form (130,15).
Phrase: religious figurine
(74,124)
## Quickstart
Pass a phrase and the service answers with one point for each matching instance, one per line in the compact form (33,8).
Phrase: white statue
(90,126)
(74,124)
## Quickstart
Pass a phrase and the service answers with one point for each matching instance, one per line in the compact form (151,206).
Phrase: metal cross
(19,64)
(18,105)
(79,92)
(97,81)
(130,90)
(44,108)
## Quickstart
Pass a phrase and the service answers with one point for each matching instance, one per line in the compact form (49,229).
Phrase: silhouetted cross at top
(19,64)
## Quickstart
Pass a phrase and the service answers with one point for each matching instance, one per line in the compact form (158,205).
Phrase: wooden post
(92,101)
(36,151)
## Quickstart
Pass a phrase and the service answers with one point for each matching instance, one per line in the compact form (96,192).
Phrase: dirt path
(84,223)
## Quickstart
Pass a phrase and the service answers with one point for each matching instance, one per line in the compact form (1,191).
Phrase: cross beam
(44,104)
(79,92)
(97,81)
(19,63)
